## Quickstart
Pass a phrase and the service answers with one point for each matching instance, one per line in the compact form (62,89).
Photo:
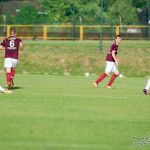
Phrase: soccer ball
(87,74)
(120,75)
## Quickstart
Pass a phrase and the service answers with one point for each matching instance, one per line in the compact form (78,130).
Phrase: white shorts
(111,67)
(10,63)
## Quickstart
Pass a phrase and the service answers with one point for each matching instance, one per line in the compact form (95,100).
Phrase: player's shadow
(17,88)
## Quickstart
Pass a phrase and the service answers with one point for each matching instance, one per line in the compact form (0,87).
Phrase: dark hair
(118,35)
(12,30)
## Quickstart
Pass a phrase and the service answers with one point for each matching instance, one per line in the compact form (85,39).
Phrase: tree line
(83,12)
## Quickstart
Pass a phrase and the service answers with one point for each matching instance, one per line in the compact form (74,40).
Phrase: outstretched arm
(20,49)
(21,46)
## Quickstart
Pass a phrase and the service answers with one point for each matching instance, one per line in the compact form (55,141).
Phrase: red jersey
(109,56)
(11,45)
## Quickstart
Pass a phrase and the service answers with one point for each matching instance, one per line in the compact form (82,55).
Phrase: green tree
(60,10)
(27,15)
(115,11)
(65,11)
(139,3)
(90,11)
(1,19)
(122,12)
(9,18)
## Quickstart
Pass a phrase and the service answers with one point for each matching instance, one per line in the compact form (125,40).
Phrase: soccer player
(111,63)
(11,45)
(147,88)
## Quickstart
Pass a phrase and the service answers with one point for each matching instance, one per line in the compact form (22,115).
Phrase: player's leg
(101,77)
(8,76)
(147,87)
(105,74)
(12,77)
(7,66)
(114,76)
(13,70)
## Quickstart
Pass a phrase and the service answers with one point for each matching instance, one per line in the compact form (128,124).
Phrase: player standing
(111,64)
(11,45)
(147,88)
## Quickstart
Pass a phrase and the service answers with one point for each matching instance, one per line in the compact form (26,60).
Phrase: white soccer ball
(120,75)
(87,74)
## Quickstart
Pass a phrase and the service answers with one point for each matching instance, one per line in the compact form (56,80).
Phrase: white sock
(148,85)
(2,89)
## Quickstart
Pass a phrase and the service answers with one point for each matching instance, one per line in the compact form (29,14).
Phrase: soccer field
(65,113)
(76,57)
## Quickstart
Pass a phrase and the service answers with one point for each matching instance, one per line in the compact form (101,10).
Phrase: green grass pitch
(65,113)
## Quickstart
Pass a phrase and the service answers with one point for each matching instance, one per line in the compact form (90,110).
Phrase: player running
(11,46)
(111,64)
(146,89)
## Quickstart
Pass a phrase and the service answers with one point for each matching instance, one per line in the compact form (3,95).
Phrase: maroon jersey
(109,56)
(11,45)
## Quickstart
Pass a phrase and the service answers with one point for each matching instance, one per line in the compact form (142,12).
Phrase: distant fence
(78,32)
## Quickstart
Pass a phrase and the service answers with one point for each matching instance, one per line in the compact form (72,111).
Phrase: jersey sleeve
(19,40)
